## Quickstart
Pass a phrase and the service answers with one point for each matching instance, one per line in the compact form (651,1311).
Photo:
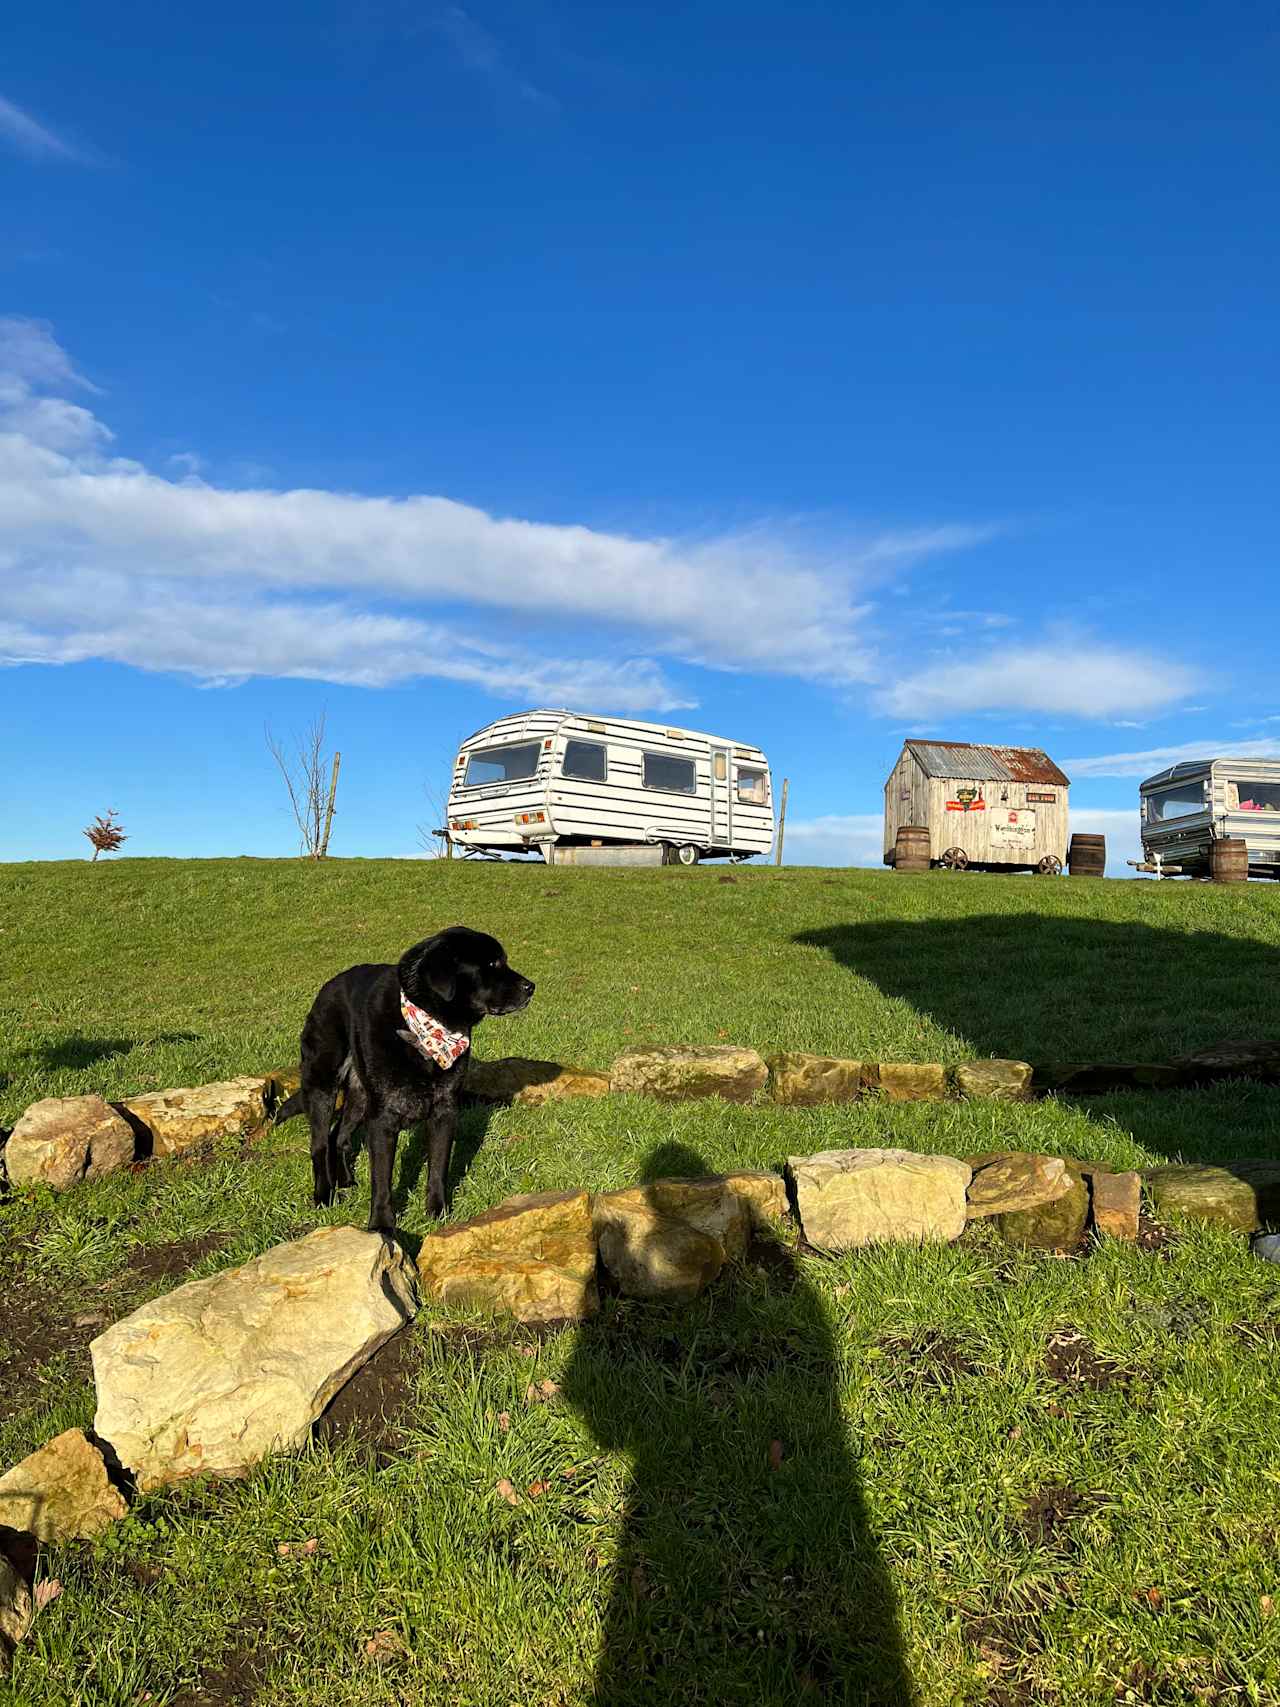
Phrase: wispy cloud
(34,139)
(1076,677)
(1152,759)
(482,53)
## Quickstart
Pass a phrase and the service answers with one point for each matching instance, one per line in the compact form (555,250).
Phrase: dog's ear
(430,969)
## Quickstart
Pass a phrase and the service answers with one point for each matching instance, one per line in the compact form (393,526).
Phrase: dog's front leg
(381,1132)
(440,1124)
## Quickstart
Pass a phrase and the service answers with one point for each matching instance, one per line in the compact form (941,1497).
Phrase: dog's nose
(528,985)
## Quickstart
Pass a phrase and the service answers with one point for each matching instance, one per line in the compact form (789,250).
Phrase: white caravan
(566,785)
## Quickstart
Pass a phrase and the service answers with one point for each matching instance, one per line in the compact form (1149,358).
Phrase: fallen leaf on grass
(537,1489)
(508,1492)
(527,1350)
(775,1455)
(504,1421)
(1267,1605)
(384,1645)
(45,1593)
(285,1548)
(540,1392)
(1153,1597)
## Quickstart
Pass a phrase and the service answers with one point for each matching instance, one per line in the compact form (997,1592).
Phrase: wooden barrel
(911,848)
(1229,859)
(1087,856)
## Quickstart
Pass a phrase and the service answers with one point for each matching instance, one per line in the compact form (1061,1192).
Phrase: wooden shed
(985,808)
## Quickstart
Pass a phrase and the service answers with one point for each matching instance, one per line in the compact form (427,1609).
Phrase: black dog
(395,1040)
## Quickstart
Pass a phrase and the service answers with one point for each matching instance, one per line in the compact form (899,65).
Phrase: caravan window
(1253,797)
(501,764)
(585,759)
(676,776)
(751,789)
(1180,801)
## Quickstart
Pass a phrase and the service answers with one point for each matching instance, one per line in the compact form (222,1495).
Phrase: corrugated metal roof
(964,761)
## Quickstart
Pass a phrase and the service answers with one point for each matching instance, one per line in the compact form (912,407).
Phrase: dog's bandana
(429,1037)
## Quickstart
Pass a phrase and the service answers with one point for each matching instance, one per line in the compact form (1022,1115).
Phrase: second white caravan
(556,781)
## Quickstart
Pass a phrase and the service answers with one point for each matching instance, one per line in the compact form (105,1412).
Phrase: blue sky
(812,374)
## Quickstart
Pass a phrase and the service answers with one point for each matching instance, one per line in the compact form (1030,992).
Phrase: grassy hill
(999,1528)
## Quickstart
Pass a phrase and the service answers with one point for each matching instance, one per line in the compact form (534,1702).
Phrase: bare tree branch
(303,770)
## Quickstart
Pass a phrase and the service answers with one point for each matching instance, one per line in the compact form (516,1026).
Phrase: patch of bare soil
(38,1328)
(236,1680)
(1153,1235)
(374,1406)
(154,1264)
(1047,1515)
(1006,1642)
(1265,1333)
(928,1359)
(1071,1358)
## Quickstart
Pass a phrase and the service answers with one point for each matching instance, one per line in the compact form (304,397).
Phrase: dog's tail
(287,1109)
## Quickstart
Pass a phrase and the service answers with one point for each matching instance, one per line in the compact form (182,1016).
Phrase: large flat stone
(219,1373)
(912,1081)
(670,1238)
(866,1196)
(61,1140)
(533,1257)
(1095,1078)
(1014,1180)
(1243,1194)
(16,1611)
(516,1079)
(805,1081)
(1056,1225)
(1117,1204)
(1236,1058)
(681,1070)
(61,1492)
(181,1120)
(999,1081)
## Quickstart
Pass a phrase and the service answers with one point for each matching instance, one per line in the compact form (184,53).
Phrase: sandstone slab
(185,1119)
(805,1081)
(681,1070)
(16,1611)
(533,1257)
(1093,1078)
(1236,1058)
(219,1373)
(1015,1180)
(514,1078)
(1056,1225)
(61,1140)
(670,1238)
(1117,1204)
(1000,1081)
(1243,1194)
(912,1081)
(61,1492)
(858,1197)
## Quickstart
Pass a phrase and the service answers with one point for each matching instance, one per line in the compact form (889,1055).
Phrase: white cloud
(1074,677)
(33,138)
(1152,759)
(82,524)
(1119,824)
(855,838)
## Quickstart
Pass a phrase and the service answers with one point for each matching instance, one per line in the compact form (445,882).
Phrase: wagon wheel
(1049,866)
(955,859)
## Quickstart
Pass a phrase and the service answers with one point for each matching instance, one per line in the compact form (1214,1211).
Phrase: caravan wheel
(685,854)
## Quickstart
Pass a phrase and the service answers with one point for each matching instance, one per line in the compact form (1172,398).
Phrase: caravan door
(721,798)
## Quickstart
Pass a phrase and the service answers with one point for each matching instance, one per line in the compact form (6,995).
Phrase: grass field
(1004,1478)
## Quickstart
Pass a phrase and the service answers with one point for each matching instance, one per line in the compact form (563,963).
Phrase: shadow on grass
(1052,989)
(77,1052)
(747,1571)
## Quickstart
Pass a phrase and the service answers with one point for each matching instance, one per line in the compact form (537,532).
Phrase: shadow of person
(747,1571)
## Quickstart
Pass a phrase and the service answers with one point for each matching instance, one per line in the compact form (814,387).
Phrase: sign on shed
(1013,829)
